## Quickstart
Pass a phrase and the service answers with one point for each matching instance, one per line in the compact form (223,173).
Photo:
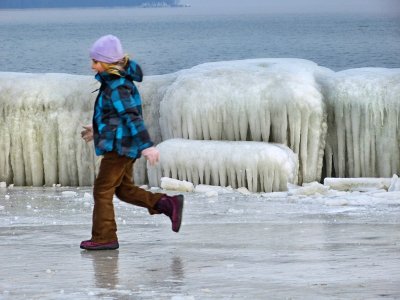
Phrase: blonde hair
(117,67)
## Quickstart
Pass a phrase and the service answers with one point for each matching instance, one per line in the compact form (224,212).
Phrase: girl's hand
(87,134)
(152,155)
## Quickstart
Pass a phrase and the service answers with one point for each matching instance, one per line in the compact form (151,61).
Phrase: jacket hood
(132,72)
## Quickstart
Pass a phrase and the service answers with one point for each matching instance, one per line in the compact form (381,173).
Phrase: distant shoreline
(87,7)
(96,4)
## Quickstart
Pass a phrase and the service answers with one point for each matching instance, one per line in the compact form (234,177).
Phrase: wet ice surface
(340,245)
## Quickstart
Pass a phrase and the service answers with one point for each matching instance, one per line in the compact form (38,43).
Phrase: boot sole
(179,213)
(101,247)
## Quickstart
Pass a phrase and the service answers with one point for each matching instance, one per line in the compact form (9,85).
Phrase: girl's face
(96,66)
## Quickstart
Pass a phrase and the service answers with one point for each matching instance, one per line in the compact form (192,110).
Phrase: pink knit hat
(107,49)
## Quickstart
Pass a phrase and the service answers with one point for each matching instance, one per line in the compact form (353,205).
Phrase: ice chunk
(244,191)
(257,166)
(3,184)
(394,184)
(308,189)
(270,100)
(176,185)
(357,184)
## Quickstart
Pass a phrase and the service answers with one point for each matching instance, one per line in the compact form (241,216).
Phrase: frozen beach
(301,244)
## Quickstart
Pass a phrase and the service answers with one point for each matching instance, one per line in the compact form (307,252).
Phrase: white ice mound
(176,185)
(257,166)
(41,119)
(270,100)
(358,184)
(363,123)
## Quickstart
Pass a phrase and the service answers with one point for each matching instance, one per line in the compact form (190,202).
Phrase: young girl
(120,135)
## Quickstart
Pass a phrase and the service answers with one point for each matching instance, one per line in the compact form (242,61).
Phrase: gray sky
(298,6)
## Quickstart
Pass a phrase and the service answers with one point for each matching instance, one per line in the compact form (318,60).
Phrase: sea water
(170,39)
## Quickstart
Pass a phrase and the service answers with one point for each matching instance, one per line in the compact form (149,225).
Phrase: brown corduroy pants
(115,177)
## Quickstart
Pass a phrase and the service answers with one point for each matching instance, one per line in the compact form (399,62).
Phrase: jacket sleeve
(128,106)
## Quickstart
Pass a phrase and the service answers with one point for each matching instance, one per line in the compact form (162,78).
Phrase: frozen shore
(290,245)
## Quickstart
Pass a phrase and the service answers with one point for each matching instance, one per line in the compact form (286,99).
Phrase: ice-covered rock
(41,120)
(270,100)
(363,123)
(257,166)
(285,101)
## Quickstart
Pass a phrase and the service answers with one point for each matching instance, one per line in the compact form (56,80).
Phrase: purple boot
(90,245)
(172,206)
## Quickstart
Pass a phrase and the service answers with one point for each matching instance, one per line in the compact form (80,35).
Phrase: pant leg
(111,173)
(128,192)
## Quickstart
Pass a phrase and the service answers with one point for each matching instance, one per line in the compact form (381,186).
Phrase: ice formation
(351,117)
(363,123)
(257,166)
(270,100)
(41,117)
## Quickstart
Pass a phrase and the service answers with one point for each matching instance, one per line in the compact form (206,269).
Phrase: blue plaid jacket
(117,120)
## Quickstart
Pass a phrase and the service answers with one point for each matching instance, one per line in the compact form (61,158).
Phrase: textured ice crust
(258,166)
